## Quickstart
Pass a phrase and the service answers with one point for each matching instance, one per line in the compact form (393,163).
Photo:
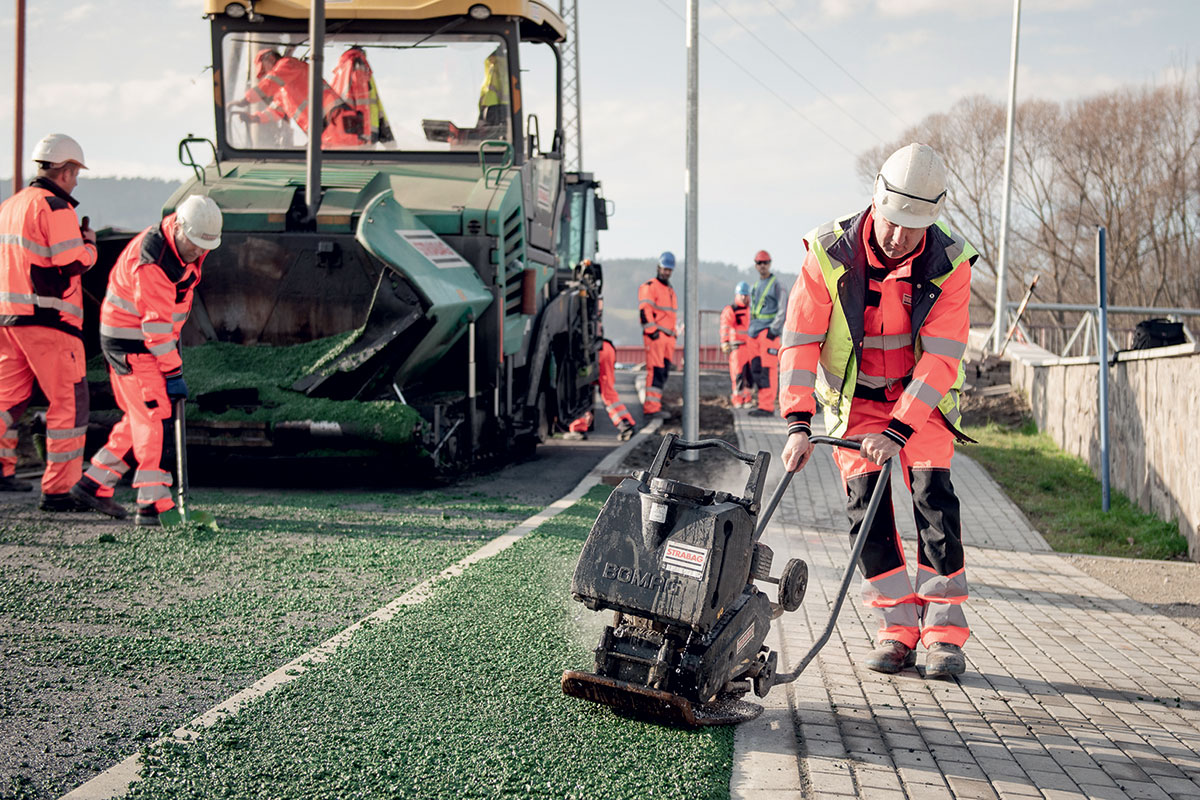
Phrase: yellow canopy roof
(532,10)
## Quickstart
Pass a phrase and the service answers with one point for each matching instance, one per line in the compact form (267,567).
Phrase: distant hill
(130,203)
(623,276)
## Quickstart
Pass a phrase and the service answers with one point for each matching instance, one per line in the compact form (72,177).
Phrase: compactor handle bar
(672,445)
(777,495)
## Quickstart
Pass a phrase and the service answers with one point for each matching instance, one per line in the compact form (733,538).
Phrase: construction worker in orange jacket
(147,303)
(283,86)
(354,82)
(768,302)
(735,321)
(877,326)
(657,307)
(43,250)
(621,419)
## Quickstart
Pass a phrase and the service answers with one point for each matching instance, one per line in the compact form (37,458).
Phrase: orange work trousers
(741,379)
(56,361)
(764,364)
(659,353)
(142,395)
(929,610)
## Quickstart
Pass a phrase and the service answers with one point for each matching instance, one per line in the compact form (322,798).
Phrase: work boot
(625,432)
(761,412)
(85,492)
(11,483)
(944,660)
(147,517)
(60,502)
(891,657)
(574,436)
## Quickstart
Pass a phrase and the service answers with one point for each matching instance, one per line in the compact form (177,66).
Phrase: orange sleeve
(65,239)
(154,298)
(809,308)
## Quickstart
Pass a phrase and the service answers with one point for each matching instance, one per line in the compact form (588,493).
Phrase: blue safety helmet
(742,288)
(667,260)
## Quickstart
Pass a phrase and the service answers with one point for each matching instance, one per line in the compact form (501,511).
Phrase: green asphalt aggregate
(112,636)
(458,696)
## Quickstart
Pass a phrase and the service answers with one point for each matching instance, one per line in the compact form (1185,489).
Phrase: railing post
(1102,351)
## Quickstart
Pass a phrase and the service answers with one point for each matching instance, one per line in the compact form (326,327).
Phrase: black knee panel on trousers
(883,550)
(939,526)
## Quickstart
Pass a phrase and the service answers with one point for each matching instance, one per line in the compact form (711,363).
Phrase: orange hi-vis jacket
(892,335)
(354,82)
(42,255)
(657,306)
(285,91)
(735,324)
(148,300)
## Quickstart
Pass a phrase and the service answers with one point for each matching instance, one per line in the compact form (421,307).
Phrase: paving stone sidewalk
(1072,689)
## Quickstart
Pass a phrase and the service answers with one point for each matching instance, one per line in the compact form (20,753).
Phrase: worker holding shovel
(148,301)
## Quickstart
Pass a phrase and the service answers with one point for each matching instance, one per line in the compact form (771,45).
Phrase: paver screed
(1072,689)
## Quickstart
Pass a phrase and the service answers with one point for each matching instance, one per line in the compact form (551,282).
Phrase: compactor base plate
(654,705)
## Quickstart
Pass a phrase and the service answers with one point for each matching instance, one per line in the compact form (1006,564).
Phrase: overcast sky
(779,129)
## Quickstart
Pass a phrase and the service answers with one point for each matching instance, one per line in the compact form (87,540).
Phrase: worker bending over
(877,325)
(148,300)
(44,249)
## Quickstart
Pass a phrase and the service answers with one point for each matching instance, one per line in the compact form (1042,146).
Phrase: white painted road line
(115,781)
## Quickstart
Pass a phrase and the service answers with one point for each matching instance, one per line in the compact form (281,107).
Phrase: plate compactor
(678,565)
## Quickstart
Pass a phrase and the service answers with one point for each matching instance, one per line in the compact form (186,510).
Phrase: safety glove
(176,388)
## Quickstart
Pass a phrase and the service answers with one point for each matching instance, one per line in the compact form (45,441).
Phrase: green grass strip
(456,697)
(1061,497)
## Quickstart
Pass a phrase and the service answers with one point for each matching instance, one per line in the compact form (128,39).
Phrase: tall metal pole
(19,110)
(691,302)
(572,118)
(316,105)
(1102,350)
(1002,261)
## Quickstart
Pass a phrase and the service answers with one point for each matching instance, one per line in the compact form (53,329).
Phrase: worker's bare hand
(797,452)
(876,447)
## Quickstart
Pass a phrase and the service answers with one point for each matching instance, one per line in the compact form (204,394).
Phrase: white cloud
(78,13)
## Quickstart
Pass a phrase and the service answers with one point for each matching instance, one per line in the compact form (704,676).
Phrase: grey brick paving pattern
(1072,689)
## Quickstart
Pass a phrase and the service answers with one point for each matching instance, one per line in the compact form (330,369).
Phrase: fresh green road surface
(456,697)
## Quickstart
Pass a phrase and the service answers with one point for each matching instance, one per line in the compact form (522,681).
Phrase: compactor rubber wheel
(793,584)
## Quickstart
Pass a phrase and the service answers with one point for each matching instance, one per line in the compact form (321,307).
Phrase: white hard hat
(910,188)
(58,148)
(200,220)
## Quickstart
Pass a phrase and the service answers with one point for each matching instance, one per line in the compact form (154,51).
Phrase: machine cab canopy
(400,76)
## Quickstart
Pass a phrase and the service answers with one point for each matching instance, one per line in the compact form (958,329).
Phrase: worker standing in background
(657,307)
(768,303)
(148,300)
(877,324)
(735,323)
(44,249)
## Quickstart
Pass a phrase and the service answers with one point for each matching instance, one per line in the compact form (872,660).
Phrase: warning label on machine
(685,559)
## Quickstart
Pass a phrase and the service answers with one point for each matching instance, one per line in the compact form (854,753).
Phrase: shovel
(181,513)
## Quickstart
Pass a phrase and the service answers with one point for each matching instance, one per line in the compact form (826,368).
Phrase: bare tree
(1128,160)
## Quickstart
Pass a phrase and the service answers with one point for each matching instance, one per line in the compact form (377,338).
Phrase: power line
(757,80)
(798,73)
(813,42)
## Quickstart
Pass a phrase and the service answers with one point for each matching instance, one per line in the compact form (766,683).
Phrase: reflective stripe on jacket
(768,302)
(823,340)
(42,255)
(149,298)
(657,307)
(735,321)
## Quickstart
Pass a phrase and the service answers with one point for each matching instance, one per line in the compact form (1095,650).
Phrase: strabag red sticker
(745,638)
(685,559)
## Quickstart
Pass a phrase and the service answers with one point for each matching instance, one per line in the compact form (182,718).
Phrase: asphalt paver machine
(679,565)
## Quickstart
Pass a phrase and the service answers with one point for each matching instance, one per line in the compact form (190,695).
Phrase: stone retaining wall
(1154,422)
